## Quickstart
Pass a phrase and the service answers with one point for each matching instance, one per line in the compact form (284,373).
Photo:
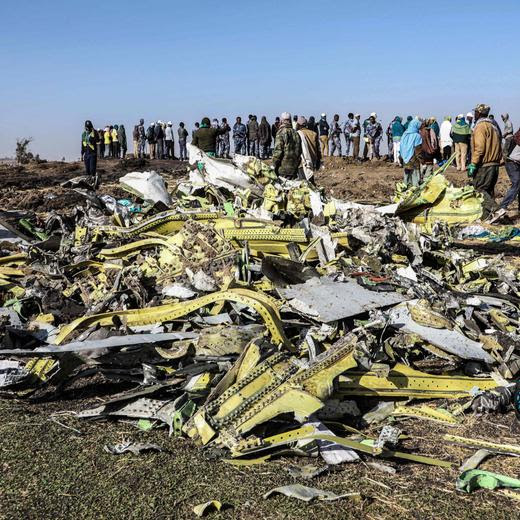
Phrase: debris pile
(257,316)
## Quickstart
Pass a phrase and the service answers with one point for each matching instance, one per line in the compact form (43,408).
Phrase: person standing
(135,139)
(224,139)
(89,140)
(107,137)
(311,155)
(435,126)
(486,152)
(100,144)
(150,136)
(206,137)
(287,149)
(397,133)
(311,125)
(264,138)
(115,142)
(169,143)
(389,141)
(248,146)
(373,136)
(507,134)
(407,122)
(430,148)
(347,131)
(411,153)
(239,137)
(377,136)
(142,139)
(159,140)
(469,119)
(252,136)
(323,130)
(461,136)
(512,160)
(335,136)
(182,133)
(445,138)
(274,127)
(196,126)
(356,136)
(122,141)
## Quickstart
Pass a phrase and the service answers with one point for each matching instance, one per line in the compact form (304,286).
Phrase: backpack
(135,133)
(150,133)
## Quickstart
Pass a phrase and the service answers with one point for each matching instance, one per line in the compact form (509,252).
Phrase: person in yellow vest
(115,142)
(108,141)
(89,140)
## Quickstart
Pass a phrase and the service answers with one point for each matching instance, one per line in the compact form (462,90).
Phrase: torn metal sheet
(451,341)
(307,494)
(131,447)
(332,453)
(107,343)
(327,300)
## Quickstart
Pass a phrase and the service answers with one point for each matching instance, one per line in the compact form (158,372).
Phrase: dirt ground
(36,187)
(52,465)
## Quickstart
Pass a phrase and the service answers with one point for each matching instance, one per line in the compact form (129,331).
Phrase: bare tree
(23,156)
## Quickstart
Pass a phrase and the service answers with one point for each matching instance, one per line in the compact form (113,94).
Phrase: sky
(64,61)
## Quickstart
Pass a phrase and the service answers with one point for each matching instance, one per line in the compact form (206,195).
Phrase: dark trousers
(446,153)
(485,179)
(170,151)
(355,147)
(90,160)
(111,150)
(513,171)
(240,146)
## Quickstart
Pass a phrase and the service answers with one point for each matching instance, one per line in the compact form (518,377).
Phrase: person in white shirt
(445,138)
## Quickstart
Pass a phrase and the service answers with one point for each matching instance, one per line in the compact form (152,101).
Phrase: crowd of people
(416,144)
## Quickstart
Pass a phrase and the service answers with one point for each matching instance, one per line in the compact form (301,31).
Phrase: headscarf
(410,139)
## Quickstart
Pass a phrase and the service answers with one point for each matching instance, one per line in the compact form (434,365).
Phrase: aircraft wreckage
(258,316)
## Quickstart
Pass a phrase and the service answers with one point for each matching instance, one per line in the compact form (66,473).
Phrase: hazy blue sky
(64,61)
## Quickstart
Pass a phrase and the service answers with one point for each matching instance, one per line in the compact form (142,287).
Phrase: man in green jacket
(205,137)
(287,149)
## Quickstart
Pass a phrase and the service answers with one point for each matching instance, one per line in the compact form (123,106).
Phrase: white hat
(323,115)
(160,122)
(169,123)
(469,114)
(285,116)
(357,115)
(373,114)
(460,116)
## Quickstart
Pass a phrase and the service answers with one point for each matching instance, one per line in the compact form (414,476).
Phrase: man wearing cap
(169,142)
(287,149)
(206,136)
(323,130)
(486,152)
(311,155)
